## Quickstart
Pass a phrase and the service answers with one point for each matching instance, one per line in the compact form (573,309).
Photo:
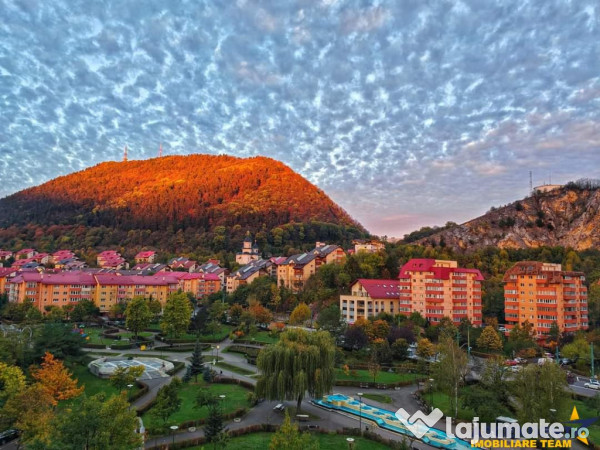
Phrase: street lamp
(360,394)
(218,352)
(350,442)
(552,414)
(431,380)
(174,428)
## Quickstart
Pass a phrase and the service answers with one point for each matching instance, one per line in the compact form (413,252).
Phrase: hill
(568,216)
(215,198)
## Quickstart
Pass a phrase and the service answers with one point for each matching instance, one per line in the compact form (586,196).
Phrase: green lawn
(442,401)
(95,336)
(235,369)
(93,384)
(326,442)
(264,337)
(214,337)
(382,376)
(235,398)
(379,398)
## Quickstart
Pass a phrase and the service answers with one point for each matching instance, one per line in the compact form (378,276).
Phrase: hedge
(370,384)
(177,366)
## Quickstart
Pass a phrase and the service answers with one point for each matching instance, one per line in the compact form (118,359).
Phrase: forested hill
(567,216)
(215,198)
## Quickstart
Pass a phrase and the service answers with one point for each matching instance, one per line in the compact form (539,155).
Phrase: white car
(592,384)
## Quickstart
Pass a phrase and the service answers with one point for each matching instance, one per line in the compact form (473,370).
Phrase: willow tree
(299,362)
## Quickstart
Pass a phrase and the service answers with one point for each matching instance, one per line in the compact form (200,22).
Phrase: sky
(405,112)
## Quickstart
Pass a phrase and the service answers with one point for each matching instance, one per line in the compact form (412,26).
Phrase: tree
(204,398)
(400,349)
(177,315)
(489,339)
(355,337)
(123,376)
(12,382)
(289,438)
(374,366)
(197,361)
(261,315)
(593,403)
(451,369)
(425,349)
(55,314)
(58,339)
(213,430)
(275,296)
(97,423)
(167,401)
(84,310)
(155,308)
(300,314)
(56,379)
(235,312)
(137,315)
(538,389)
(330,319)
(299,362)
(30,411)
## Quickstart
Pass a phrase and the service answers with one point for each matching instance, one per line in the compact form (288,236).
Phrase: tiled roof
(440,273)
(380,288)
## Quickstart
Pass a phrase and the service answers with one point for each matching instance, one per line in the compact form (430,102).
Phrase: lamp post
(552,414)
(174,428)
(218,353)
(350,442)
(360,394)
(431,380)
(129,386)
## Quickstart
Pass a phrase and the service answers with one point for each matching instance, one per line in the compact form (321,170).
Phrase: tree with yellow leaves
(12,381)
(56,379)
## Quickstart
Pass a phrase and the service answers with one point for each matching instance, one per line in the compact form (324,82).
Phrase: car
(510,362)
(566,362)
(8,435)
(520,360)
(502,329)
(279,407)
(592,384)
(516,369)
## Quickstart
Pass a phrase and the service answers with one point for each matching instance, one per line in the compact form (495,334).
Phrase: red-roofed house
(431,287)
(6,273)
(5,254)
(111,259)
(145,257)
(199,284)
(26,253)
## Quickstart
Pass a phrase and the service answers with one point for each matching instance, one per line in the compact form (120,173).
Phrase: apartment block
(434,288)
(542,294)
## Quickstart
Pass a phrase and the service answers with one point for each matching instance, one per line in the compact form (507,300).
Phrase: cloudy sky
(406,112)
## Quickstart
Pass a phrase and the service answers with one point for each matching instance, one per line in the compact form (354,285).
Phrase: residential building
(62,255)
(145,257)
(199,284)
(213,266)
(542,294)
(111,259)
(26,253)
(370,297)
(6,273)
(113,288)
(434,288)
(5,254)
(149,268)
(368,246)
(51,289)
(328,254)
(182,263)
(248,273)
(296,270)
(250,252)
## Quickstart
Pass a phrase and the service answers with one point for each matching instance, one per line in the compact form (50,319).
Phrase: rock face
(568,217)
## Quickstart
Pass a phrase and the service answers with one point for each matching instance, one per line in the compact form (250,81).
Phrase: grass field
(382,377)
(235,398)
(93,384)
(263,337)
(442,401)
(326,442)
(215,337)
(95,336)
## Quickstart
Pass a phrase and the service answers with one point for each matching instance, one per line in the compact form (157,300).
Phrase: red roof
(5,271)
(196,276)
(440,273)
(56,278)
(145,254)
(25,250)
(380,288)
(129,280)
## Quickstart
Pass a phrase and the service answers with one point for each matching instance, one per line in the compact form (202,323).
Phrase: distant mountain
(567,216)
(213,196)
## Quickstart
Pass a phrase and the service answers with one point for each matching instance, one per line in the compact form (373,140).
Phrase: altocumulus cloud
(406,112)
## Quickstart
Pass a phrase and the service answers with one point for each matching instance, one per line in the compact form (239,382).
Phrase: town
(391,339)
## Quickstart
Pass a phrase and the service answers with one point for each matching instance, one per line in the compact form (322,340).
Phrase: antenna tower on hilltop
(125,154)
(160,150)
(530,181)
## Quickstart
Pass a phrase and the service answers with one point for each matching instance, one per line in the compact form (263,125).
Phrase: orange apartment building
(543,293)
(104,289)
(434,288)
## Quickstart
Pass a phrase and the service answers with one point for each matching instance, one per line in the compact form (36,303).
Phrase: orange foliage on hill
(199,191)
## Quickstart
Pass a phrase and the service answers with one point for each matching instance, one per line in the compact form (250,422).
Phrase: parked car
(516,369)
(592,384)
(279,407)
(510,362)
(8,435)
(566,362)
(520,360)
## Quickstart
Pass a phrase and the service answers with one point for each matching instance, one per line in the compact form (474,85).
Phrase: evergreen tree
(197,363)
(214,424)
